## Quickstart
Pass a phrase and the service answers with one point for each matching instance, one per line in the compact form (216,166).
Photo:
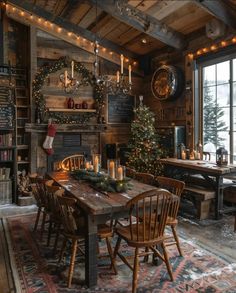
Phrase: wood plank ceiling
(139,26)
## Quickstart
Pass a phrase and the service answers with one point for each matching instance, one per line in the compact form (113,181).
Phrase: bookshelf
(8,167)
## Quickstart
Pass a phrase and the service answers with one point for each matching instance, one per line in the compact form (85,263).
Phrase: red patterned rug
(36,270)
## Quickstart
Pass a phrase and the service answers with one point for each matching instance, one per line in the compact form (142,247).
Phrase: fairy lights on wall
(53,28)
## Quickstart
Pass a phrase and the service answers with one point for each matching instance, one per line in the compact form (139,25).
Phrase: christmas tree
(145,151)
(213,124)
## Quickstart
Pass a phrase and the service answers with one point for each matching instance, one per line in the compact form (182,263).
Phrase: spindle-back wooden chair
(152,209)
(176,187)
(145,178)
(73,162)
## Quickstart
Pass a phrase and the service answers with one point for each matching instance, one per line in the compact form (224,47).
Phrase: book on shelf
(6,155)
(5,191)
(6,139)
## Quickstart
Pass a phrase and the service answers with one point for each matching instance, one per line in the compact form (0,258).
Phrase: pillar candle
(117,76)
(121,63)
(66,80)
(87,165)
(72,69)
(96,164)
(112,169)
(129,74)
(120,173)
(183,155)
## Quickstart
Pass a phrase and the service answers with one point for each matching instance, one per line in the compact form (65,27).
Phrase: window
(218,100)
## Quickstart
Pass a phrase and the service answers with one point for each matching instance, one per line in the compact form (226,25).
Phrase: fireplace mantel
(33,127)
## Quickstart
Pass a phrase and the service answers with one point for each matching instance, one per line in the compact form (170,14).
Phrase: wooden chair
(206,156)
(152,209)
(75,232)
(130,172)
(176,187)
(52,192)
(72,163)
(145,178)
(39,193)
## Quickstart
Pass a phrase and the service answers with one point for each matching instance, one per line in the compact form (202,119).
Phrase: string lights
(53,28)
(212,48)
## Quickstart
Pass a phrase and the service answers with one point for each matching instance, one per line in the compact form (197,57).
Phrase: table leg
(219,197)
(91,252)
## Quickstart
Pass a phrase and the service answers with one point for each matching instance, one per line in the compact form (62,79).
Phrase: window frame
(226,55)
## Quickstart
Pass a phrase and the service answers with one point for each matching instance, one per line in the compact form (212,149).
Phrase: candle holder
(120,173)
(112,167)
(96,162)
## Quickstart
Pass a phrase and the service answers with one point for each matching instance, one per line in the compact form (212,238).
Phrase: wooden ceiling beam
(141,21)
(70,7)
(220,10)
(70,27)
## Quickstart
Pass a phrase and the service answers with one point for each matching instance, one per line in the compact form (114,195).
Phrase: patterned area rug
(36,270)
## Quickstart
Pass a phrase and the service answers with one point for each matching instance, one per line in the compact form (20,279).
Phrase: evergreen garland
(87,78)
(145,151)
(103,182)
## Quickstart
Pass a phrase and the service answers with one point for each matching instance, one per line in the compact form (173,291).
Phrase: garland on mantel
(87,78)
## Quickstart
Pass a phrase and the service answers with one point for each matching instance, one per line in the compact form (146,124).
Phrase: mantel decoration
(103,182)
(87,78)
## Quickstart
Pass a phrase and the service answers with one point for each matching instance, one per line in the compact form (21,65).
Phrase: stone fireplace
(69,140)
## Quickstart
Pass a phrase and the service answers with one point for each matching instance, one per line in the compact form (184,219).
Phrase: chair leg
(176,240)
(72,262)
(56,239)
(113,265)
(135,271)
(62,250)
(42,225)
(37,219)
(49,232)
(146,257)
(117,247)
(167,261)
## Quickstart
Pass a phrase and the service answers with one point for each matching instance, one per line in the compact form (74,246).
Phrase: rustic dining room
(117,146)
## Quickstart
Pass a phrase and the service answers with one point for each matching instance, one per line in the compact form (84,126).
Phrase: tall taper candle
(117,76)
(72,69)
(121,63)
(129,74)
(66,80)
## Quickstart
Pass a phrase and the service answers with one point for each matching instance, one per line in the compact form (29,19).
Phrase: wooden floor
(218,236)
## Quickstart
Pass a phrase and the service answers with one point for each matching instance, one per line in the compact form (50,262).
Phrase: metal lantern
(221,156)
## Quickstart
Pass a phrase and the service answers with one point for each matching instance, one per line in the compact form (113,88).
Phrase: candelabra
(70,83)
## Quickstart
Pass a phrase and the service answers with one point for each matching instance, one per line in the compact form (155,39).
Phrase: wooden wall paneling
(33,66)
(1,37)
(189,102)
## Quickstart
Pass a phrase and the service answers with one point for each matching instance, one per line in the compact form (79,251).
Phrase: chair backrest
(173,185)
(146,178)
(150,210)
(72,163)
(53,192)
(130,172)
(67,209)
(39,190)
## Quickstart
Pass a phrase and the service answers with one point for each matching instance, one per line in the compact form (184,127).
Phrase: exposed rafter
(70,6)
(63,23)
(220,10)
(141,21)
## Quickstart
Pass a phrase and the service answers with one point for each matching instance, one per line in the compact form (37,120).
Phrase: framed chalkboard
(7,110)
(120,108)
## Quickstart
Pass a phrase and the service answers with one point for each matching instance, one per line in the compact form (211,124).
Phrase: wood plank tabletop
(199,165)
(93,201)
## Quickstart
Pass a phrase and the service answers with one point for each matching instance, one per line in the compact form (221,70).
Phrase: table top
(93,201)
(201,166)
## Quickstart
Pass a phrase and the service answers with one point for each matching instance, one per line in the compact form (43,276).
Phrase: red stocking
(47,145)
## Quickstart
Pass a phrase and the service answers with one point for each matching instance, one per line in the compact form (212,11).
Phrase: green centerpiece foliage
(145,150)
(102,181)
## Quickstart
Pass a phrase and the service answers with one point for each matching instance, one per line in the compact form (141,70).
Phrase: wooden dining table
(209,171)
(98,207)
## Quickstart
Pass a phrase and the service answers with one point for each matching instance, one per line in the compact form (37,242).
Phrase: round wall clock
(167,82)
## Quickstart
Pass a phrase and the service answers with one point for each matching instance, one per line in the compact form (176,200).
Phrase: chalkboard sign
(120,108)
(6,109)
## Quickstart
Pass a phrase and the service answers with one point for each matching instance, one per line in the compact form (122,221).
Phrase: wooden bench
(202,196)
